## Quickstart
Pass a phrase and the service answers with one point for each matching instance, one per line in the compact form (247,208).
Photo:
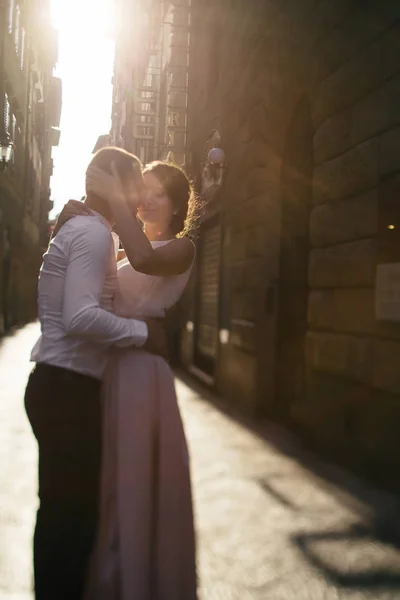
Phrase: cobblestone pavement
(273,522)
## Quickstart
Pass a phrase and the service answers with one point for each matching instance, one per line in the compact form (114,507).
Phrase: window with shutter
(6,114)
(11,16)
(22,52)
(208,298)
(17,28)
(13,126)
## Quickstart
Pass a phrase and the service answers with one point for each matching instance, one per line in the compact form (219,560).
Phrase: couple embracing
(115,520)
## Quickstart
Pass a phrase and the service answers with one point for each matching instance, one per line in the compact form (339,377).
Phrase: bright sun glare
(85,66)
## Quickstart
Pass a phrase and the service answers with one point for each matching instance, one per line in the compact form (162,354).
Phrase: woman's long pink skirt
(146,542)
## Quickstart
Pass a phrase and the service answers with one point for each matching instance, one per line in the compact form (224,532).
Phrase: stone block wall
(250,65)
(356,113)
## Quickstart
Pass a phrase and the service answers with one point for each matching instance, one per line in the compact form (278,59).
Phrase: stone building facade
(295,301)
(32,110)
(151,79)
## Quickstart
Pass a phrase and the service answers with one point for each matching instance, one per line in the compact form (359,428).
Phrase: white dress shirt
(77,283)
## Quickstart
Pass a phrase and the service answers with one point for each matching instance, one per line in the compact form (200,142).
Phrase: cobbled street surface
(273,522)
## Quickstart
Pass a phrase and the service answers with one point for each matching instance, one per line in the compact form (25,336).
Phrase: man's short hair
(124,161)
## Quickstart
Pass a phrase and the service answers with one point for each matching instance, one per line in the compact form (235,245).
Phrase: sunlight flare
(85,66)
(90,18)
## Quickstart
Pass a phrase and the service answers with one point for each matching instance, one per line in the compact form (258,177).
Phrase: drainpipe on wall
(4,246)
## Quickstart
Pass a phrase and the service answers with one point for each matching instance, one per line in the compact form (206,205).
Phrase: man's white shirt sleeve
(89,259)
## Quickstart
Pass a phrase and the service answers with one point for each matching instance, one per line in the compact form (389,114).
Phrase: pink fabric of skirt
(146,542)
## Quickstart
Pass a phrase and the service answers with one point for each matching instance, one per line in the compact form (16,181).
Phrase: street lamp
(6,151)
(217,156)
(213,172)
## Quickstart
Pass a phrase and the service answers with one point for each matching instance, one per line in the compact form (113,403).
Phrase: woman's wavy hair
(180,191)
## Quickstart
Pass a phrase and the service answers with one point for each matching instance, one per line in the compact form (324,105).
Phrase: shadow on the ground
(379,508)
(377,513)
(318,549)
(266,485)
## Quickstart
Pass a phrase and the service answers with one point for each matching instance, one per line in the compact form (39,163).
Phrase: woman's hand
(73,208)
(110,187)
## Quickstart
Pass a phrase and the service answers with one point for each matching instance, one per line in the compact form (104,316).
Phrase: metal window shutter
(208,293)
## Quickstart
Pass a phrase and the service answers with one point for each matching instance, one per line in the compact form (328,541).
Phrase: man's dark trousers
(65,414)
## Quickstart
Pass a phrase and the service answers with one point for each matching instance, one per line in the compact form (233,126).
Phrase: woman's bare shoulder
(185,245)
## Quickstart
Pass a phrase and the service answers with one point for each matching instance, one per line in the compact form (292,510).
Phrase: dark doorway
(296,203)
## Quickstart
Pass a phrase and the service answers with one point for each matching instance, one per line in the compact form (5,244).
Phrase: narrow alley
(273,522)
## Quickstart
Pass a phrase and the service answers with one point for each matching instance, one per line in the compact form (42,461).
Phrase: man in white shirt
(77,283)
